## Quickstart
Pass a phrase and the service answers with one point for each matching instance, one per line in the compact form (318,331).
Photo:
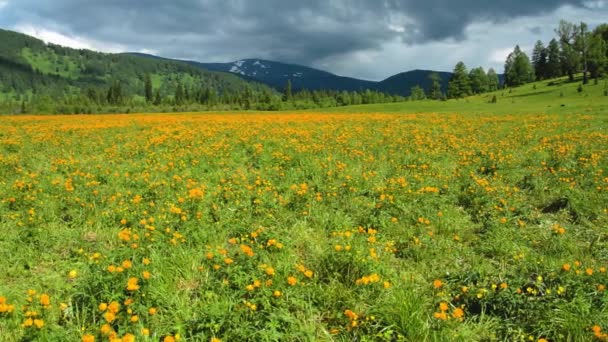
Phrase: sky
(369,39)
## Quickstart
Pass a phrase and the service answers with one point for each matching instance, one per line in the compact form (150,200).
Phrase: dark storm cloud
(294,31)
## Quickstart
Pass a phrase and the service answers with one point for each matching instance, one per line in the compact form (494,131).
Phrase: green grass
(545,97)
(381,220)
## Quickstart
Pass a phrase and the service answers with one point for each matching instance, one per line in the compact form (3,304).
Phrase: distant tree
(148,89)
(493,81)
(115,95)
(598,52)
(553,67)
(435,92)
(597,58)
(479,80)
(157,99)
(518,69)
(459,85)
(288,92)
(582,43)
(417,93)
(539,60)
(179,94)
(570,58)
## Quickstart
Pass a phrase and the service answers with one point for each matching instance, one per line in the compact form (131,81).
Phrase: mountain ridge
(276,74)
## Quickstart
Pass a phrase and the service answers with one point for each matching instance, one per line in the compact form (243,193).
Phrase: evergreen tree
(417,93)
(539,60)
(493,81)
(179,94)
(479,80)
(148,89)
(459,85)
(435,89)
(157,99)
(288,92)
(553,67)
(518,69)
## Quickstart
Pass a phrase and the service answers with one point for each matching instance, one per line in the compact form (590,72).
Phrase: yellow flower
(132,284)
(152,311)
(45,300)
(103,307)
(88,338)
(291,280)
(72,274)
(277,294)
(269,271)
(109,316)
(458,313)
(146,275)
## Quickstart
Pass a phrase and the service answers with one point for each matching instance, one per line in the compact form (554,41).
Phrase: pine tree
(459,85)
(435,89)
(148,89)
(553,66)
(539,60)
(157,98)
(417,93)
(518,69)
(288,92)
(493,81)
(479,80)
(179,94)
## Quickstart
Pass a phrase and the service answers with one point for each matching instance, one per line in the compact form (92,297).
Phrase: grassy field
(545,97)
(480,222)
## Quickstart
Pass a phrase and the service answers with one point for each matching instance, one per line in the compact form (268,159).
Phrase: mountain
(276,75)
(29,67)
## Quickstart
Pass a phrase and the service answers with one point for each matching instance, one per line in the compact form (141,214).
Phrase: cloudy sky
(369,39)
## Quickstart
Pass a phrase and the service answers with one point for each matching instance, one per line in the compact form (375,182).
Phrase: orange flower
(458,313)
(566,267)
(114,307)
(109,316)
(437,283)
(45,299)
(132,284)
(88,338)
(291,280)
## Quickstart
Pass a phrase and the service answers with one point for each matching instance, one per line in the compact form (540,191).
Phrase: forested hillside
(48,77)
(37,77)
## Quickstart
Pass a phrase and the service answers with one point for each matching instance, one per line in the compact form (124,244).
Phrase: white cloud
(3,3)
(50,36)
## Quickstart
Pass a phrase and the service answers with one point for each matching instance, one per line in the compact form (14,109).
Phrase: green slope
(551,97)
(28,65)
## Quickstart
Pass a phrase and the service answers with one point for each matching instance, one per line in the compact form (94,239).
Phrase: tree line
(576,49)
